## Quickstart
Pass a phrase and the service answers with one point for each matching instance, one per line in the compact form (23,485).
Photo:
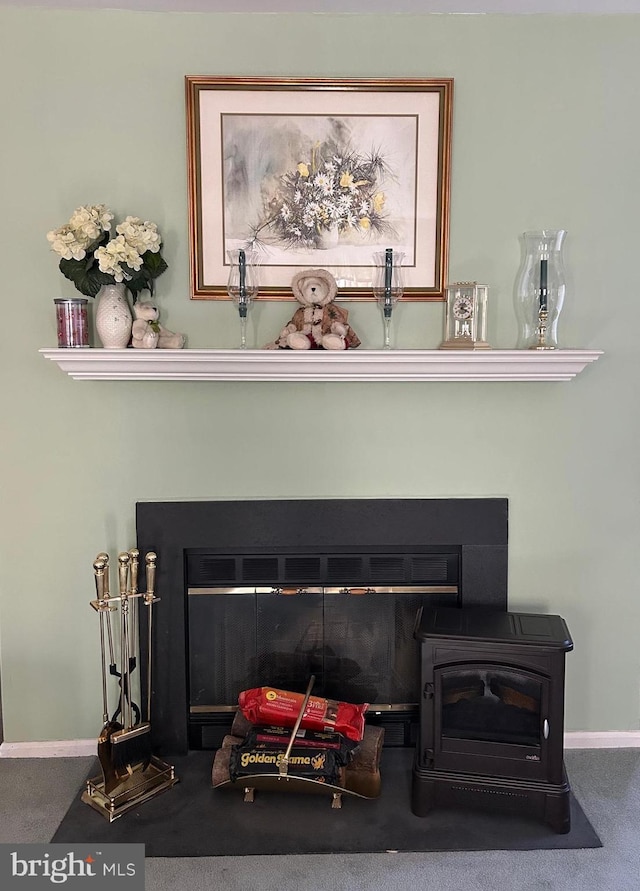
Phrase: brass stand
(541,331)
(140,786)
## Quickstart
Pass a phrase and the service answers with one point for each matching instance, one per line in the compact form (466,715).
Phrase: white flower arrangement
(91,256)
(334,187)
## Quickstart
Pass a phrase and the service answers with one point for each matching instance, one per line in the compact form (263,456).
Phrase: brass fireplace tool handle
(149,600)
(134,555)
(99,566)
(125,692)
(107,594)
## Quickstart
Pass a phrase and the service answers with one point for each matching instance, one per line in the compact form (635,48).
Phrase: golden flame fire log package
(316,755)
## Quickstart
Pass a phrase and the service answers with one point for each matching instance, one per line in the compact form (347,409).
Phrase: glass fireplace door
(491,719)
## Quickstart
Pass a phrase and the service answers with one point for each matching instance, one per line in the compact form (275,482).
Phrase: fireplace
(269,592)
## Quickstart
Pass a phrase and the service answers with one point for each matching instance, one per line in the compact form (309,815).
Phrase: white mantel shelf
(317,365)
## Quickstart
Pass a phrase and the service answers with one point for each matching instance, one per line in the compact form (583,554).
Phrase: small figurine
(319,323)
(147,333)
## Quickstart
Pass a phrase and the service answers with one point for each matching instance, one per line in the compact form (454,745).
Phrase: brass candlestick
(541,332)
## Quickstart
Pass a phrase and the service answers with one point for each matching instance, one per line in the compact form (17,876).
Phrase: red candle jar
(72,322)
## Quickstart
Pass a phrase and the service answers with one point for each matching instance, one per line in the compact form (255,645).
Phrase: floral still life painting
(302,184)
(318,173)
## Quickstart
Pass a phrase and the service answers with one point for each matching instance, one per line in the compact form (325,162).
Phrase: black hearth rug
(192,819)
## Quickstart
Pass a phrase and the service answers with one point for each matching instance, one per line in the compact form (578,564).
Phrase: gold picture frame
(317,172)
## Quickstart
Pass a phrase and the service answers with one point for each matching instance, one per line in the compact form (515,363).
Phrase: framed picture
(319,173)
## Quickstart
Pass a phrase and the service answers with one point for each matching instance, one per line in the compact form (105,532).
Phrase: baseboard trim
(64,748)
(606,739)
(76,748)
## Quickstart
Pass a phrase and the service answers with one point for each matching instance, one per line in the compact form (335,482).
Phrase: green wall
(546,134)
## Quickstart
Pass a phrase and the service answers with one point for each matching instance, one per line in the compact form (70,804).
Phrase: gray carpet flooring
(36,793)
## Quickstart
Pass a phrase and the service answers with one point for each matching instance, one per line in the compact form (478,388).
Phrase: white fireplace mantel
(318,365)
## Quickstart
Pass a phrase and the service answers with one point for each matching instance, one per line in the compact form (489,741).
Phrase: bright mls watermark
(97,867)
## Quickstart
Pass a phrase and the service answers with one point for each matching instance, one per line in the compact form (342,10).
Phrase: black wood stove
(492,712)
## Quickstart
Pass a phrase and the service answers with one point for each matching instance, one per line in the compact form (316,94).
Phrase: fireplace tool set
(131,773)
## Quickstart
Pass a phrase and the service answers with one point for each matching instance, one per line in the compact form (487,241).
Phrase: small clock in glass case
(465,320)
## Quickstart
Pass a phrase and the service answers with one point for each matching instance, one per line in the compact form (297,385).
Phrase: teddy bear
(319,323)
(147,333)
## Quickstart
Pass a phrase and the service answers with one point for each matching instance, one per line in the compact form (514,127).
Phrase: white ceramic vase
(113,317)
(328,238)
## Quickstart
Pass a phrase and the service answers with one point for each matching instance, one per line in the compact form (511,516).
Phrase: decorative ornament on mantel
(540,289)
(387,285)
(242,285)
(113,317)
(319,323)
(465,320)
(103,264)
(148,334)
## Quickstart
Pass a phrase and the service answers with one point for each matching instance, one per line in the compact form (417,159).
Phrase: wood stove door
(491,719)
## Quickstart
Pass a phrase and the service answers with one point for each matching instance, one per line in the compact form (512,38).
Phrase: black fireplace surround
(358,563)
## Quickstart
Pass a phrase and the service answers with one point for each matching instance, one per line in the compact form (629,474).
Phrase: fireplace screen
(273,628)
(360,647)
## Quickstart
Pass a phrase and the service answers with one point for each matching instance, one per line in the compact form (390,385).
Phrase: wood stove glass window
(485,704)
